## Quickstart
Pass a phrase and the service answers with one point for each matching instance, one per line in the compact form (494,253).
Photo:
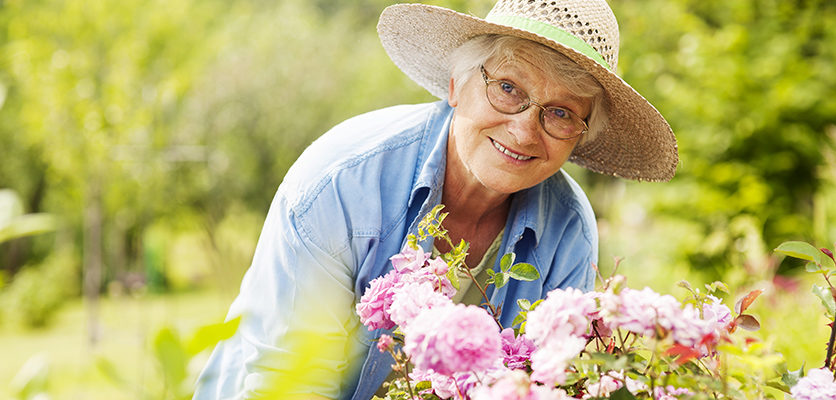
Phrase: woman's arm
(297,330)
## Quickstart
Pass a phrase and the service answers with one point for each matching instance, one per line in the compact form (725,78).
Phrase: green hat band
(551,32)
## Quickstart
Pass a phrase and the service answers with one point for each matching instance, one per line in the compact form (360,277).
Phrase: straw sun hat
(638,144)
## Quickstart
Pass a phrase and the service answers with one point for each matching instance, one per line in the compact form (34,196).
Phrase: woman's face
(508,153)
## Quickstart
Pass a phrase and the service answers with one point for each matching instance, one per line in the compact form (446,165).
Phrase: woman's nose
(525,126)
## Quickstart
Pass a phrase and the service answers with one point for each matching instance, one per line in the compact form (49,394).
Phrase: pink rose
(453,338)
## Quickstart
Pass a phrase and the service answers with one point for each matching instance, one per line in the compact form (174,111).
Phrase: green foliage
(818,260)
(826,297)
(746,87)
(38,291)
(173,353)
(508,270)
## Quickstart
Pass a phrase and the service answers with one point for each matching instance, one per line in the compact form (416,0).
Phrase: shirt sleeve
(298,331)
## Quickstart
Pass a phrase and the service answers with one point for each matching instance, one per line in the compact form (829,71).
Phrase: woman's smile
(504,150)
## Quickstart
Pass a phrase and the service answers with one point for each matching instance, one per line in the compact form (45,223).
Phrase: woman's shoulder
(362,170)
(356,140)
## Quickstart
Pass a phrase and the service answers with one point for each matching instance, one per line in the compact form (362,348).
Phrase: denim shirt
(344,208)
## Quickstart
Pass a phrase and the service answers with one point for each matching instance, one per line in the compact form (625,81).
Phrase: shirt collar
(433,154)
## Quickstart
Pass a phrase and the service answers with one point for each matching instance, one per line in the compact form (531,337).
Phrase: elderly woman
(525,89)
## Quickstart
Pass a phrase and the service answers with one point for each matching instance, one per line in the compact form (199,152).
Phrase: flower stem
(827,360)
(403,366)
(494,312)
(466,270)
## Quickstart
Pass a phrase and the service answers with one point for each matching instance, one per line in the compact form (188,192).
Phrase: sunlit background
(142,141)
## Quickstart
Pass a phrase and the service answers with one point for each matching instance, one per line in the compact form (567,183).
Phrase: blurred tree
(91,88)
(747,87)
(121,115)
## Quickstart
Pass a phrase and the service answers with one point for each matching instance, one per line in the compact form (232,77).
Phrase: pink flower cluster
(648,313)
(457,385)
(818,384)
(461,352)
(558,327)
(453,338)
(516,349)
(422,281)
(563,313)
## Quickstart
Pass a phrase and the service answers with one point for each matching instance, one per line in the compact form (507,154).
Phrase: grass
(126,326)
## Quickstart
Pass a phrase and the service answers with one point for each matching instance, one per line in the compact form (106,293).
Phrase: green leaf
(490,272)
(171,354)
(524,272)
(622,394)
(685,284)
(462,247)
(110,371)
(500,279)
(453,277)
(813,267)
(209,335)
(818,261)
(506,261)
(717,285)
(423,385)
(791,378)
(524,304)
(412,241)
(802,250)
(826,299)
(778,385)
(519,319)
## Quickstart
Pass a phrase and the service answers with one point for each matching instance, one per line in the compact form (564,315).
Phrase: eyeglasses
(507,98)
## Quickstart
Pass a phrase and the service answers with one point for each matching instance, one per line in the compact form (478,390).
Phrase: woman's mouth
(509,153)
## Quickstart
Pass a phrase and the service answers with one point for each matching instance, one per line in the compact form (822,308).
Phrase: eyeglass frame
(541,117)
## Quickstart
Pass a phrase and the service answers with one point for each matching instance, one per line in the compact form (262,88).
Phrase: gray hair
(466,59)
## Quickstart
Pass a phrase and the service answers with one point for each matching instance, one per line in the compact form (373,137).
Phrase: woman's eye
(559,112)
(507,87)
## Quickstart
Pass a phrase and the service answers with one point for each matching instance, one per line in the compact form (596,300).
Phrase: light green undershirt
(468,293)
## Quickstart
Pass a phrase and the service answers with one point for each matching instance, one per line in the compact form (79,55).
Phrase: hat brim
(638,143)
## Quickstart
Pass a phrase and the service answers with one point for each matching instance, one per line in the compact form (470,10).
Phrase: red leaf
(747,322)
(683,353)
(746,301)
(828,252)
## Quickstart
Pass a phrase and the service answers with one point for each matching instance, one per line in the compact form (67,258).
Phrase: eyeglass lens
(506,98)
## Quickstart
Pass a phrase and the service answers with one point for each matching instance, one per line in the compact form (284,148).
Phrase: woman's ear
(452,95)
